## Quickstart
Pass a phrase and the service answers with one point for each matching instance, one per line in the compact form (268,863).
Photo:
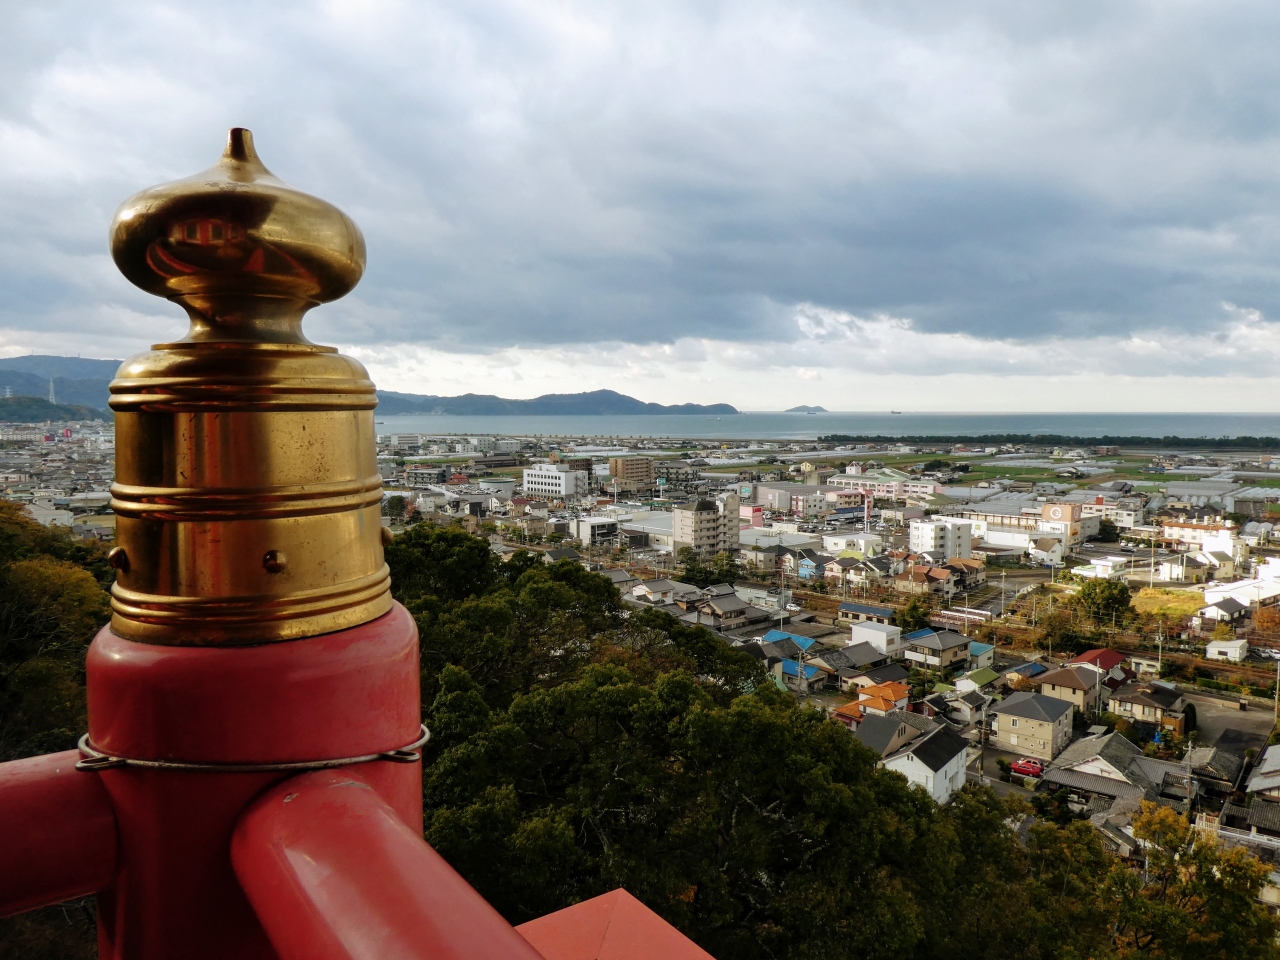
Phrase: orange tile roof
(893,690)
(878,703)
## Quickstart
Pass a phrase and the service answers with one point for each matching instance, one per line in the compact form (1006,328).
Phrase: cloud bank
(1068,205)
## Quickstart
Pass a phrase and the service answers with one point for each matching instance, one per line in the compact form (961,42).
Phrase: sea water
(799,426)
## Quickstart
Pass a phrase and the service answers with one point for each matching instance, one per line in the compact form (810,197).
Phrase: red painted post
(347,694)
(334,873)
(59,833)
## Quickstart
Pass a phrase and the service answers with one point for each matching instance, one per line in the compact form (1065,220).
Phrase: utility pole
(1277,692)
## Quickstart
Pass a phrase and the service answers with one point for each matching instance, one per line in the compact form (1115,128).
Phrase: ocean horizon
(800,426)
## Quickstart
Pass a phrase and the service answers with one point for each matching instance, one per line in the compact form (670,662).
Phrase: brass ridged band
(257,395)
(230,620)
(186,505)
(152,608)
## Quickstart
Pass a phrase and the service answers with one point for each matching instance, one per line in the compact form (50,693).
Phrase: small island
(804,409)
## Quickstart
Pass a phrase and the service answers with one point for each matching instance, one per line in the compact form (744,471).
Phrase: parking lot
(1214,715)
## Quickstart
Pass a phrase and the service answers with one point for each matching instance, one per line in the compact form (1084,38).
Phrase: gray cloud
(534,175)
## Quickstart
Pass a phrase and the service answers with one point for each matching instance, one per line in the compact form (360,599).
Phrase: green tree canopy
(1105,599)
(914,616)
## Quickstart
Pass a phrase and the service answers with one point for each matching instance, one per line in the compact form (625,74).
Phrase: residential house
(969,707)
(894,692)
(1144,665)
(840,568)
(884,637)
(937,649)
(873,570)
(885,734)
(935,762)
(664,591)
(1264,781)
(1031,724)
(969,572)
(981,679)
(804,678)
(846,664)
(1156,703)
(1048,551)
(1023,674)
(810,565)
(622,579)
(1226,611)
(560,553)
(1105,769)
(1080,686)
(920,580)
(1102,659)
(886,673)
(1183,568)
(981,655)
(861,612)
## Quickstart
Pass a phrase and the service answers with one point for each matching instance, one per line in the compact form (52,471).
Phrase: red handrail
(334,874)
(60,832)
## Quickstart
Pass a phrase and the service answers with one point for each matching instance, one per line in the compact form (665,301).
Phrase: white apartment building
(708,526)
(954,538)
(887,482)
(554,481)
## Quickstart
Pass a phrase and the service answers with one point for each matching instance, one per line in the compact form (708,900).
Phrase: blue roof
(773,636)
(867,608)
(1030,670)
(977,649)
(917,634)
(790,668)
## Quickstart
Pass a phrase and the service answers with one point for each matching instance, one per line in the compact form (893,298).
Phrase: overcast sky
(863,205)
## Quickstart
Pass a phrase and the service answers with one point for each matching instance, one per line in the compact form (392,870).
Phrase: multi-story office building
(554,481)
(630,474)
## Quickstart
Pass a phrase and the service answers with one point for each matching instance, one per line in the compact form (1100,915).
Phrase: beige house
(1031,724)
(1079,686)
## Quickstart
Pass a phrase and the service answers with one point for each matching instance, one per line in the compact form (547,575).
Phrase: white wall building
(953,537)
(554,481)
(883,636)
(934,762)
(1236,651)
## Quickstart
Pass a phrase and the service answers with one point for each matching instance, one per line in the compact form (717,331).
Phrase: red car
(1026,767)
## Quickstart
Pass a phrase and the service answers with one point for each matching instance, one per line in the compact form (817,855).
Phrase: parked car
(1027,767)
(794,608)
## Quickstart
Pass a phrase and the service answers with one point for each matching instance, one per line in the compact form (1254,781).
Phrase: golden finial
(247,494)
(242,251)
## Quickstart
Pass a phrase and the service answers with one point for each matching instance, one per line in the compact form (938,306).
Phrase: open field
(1174,603)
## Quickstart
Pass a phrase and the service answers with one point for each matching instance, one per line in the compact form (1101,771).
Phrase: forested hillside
(576,749)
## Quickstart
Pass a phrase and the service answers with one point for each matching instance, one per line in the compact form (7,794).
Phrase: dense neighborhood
(1026,619)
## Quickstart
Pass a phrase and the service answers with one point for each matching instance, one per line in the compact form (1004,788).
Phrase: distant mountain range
(77,380)
(603,402)
(36,410)
(804,409)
